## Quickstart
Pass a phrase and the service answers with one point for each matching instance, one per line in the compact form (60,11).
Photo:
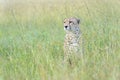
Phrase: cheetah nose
(66,26)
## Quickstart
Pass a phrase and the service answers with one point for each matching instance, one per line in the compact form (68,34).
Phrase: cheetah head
(71,24)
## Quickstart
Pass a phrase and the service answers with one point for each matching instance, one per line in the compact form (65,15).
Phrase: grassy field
(32,35)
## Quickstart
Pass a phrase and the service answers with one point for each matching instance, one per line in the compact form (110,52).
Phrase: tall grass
(32,35)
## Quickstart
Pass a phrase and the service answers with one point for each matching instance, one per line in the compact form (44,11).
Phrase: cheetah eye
(70,22)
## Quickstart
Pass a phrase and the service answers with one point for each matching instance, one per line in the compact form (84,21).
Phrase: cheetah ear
(65,18)
(78,20)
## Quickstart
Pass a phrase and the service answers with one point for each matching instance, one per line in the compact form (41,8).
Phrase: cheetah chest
(71,44)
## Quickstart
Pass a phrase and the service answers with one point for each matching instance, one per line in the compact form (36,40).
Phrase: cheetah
(73,38)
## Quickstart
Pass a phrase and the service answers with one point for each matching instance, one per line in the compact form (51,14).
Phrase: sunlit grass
(32,35)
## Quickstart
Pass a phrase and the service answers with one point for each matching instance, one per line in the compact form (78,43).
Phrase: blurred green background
(32,36)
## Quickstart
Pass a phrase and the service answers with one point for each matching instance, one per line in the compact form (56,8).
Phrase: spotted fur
(73,37)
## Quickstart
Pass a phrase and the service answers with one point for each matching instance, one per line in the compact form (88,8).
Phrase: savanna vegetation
(32,35)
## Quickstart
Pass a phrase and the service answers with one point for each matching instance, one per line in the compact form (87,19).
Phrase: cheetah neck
(72,38)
